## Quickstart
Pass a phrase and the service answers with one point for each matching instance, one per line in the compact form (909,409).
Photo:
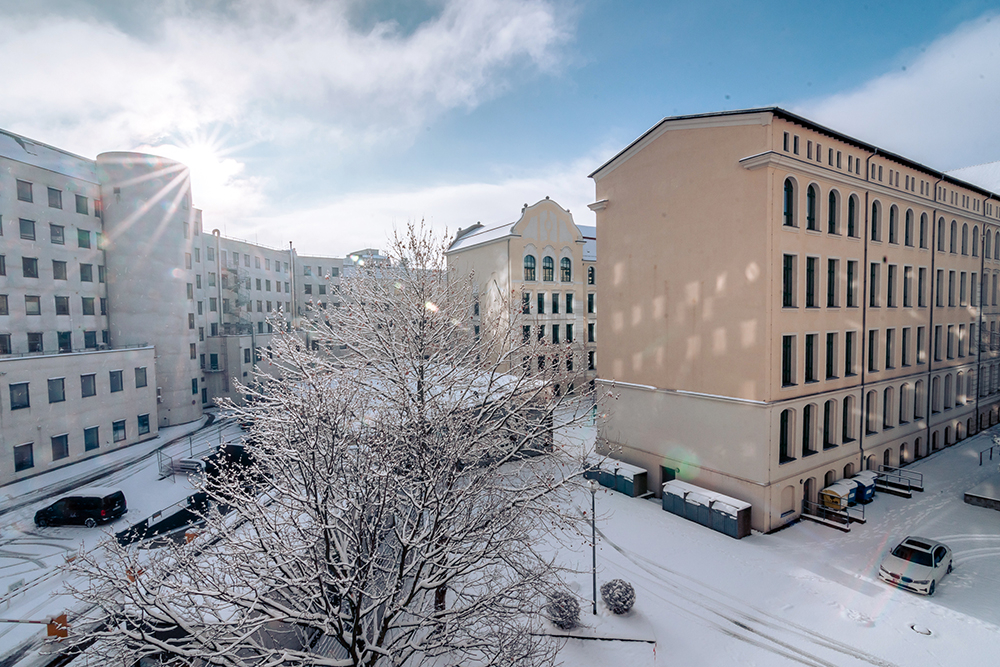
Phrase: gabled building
(546,262)
(790,305)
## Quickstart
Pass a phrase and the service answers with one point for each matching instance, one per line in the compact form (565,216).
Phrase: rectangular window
(555,303)
(65,341)
(526,303)
(591,303)
(541,332)
(939,296)
(555,334)
(33,305)
(24,191)
(104,306)
(831,356)
(907,291)
(88,305)
(3,265)
(57,234)
(24,457)
(197,255)
(201,308)
(57,390)
(973,290)
(29,267)
(951,341)
(82,206)
(19,398)
(963,288)
(785,143)
(873,350)
(83,238)
(35,342)
(951,288)
(812,278)
(187,260)
(5,346)
(62,305)
(87,273)
(90,340)
(210,254)
(525,333)
(27,229)
(569,333)
(873,285)
(904,346)
(591,329)
(60,447)
(937,342)
(116,381)
(190,291)
(961,340)
(194,386)
(59,270)
(811,352)
(213,304)
(890,349)
(211,279)
(832,283)
(246,356)
(143,424)
(541,303)
(118,430)
(569,304)
(788,281)
(890,296)
(190,320)
(90,439)
(852,284)
(921,287)
(787,361)
(140,377)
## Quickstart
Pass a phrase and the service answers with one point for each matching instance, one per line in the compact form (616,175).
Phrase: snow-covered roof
(480,234)
(984,175)
(25,150)
(589,242)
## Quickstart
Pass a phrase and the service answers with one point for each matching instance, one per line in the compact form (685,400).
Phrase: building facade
(547,261)
(119,314)
(790,305)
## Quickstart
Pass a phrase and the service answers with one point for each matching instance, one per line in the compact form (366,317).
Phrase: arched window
(852,216)
(908,228)
(893,224)
(949,392)
(919,400)
(935,395)
(785,431)
(847,418)
(996,246)
(829,423)
(590,275)
(904,404)
(808,425)
(871,405)
(529,267)
(789,209)
(975,241)
(940,235)
(986,244)
(566,270)
(960,388)
(923,230)
(548,269)
(953,248)
(833,212)
(876,232)
(887,408)
(811,207)
(965,239)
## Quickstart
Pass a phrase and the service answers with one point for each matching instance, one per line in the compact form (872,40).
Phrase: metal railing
(102,347)
(989,449)
(908,478)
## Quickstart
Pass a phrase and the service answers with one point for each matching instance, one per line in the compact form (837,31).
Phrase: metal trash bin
(865,482)
(697,508)
(630,479)
(839,495)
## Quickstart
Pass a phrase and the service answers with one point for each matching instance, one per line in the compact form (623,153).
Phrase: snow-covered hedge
(563,610)
(619,595)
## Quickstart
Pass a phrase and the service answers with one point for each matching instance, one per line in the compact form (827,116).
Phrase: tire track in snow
(739,617)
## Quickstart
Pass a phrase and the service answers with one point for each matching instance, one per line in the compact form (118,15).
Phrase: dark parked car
(88,507)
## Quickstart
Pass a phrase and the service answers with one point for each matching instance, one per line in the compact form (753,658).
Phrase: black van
(88,507)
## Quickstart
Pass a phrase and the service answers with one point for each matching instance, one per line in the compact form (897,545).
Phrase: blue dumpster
(865,482)
(696,508)
(630,479)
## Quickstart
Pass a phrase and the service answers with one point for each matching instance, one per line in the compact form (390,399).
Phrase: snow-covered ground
(31,581)
(807,594)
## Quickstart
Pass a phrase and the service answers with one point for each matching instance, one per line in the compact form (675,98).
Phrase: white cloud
(277,69)
(941,109)
(367,219)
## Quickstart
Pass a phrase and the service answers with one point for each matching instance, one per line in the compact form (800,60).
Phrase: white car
(916,564)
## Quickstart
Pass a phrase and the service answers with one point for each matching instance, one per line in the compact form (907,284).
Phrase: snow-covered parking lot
(807,594)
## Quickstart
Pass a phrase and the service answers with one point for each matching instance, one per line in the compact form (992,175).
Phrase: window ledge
(785,459)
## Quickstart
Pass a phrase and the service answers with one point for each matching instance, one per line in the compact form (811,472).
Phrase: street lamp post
(593,535)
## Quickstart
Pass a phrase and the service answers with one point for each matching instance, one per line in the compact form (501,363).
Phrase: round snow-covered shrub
(619,595)
(563,609)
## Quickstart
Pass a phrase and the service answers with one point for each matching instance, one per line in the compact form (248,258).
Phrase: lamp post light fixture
(592,484)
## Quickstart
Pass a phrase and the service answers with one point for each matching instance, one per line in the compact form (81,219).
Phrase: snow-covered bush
(563,609)
(619,595)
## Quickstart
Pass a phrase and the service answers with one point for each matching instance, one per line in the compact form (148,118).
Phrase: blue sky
(327,123)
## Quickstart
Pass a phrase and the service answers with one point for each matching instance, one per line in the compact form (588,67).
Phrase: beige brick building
(785,305)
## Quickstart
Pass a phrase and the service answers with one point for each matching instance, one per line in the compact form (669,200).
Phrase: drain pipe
(979,319)
(930,323)
(863,343)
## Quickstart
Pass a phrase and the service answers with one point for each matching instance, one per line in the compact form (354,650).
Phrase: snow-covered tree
(402,481)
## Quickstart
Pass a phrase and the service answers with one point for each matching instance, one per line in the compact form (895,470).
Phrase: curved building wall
(149,229)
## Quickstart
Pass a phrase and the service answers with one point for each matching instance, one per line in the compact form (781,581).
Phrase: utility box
(721,513)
